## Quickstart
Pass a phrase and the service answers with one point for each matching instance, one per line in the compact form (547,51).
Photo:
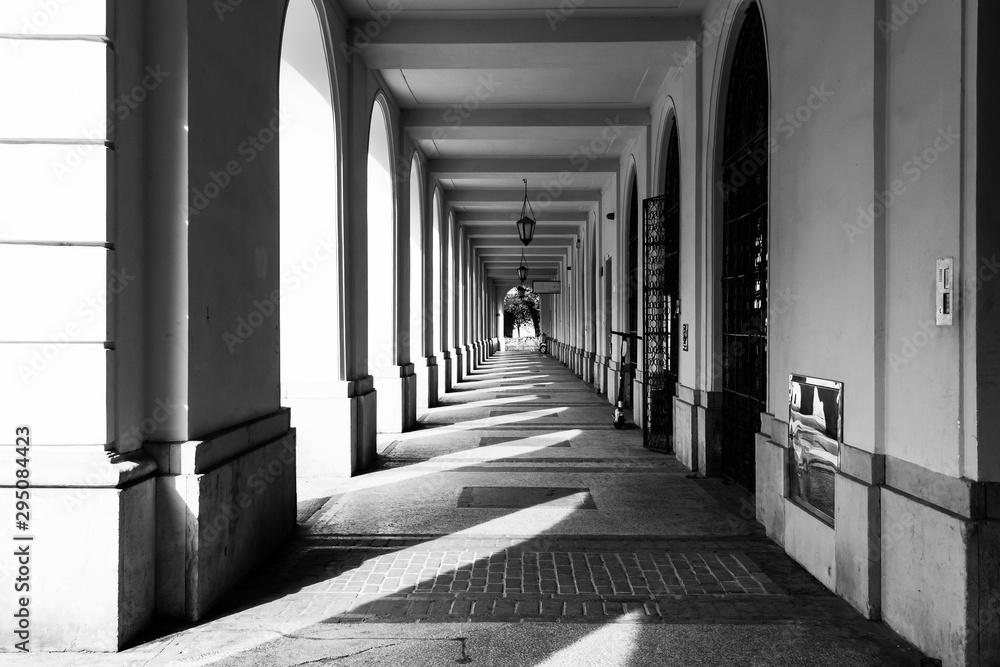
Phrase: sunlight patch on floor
(611,645)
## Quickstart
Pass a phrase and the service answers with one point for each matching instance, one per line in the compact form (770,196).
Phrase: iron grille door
(744,264)
(661,291)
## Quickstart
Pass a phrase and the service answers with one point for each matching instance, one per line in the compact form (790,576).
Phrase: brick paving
(735,577)
(554,572)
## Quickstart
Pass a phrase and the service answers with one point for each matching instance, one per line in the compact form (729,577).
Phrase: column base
(222,505)
(638,404)
(686,427)
(460,360)
(427,389)
(708,408)
(397,402)
(446,370)
(328,420)
(601,375)
(588,367)
(91,561)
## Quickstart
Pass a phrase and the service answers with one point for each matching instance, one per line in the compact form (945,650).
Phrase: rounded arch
(733,14)
(437,276)
(631,239)
(417,258)
(380,103)
(382,247)
(450,300)
(592,271)
(334,77)
(631,182)
(739,208)
(631,266)
(310,316)
(662,147)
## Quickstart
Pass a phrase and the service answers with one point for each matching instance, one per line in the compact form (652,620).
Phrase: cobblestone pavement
(499,534)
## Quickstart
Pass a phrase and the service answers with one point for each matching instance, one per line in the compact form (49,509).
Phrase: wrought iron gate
(661,290)
(744,189)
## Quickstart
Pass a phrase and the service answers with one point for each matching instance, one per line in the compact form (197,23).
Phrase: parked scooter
(619,417)
(543,345)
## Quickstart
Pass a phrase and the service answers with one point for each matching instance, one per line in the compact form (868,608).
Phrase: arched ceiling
(495,91)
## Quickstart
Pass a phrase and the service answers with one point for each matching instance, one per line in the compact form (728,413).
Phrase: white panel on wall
(54,90)
(54,193)
(60,392)
(54,17)
(56,293)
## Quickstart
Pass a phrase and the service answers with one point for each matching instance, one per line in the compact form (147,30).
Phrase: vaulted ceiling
(496,91)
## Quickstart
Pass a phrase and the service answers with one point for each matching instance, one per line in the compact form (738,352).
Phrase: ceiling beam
(515,243)
(492,236)
(534,169)
(505,197)
(430,123)
(483,34)
(476,218)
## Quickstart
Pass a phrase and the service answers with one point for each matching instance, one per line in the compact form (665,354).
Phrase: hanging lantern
(526,225)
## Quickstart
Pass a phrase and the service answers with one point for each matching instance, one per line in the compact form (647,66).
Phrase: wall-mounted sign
(815,434)
(684,337)
(546,287)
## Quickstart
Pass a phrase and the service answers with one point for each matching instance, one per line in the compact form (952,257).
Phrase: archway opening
(437,326)
(632,282)
(381,248)
(743,172)
(417,316)
(661,294)
(309,313)
(450,304)
(521,314)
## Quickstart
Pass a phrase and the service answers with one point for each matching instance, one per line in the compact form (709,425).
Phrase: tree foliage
(524,308)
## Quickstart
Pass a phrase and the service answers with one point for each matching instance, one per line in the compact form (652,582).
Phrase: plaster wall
(925,221)
(233,240)
(822,281)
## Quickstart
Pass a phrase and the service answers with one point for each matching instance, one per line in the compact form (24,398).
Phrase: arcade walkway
(518,527)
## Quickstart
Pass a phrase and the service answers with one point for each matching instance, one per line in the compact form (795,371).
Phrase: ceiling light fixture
(522,271)
(526,225)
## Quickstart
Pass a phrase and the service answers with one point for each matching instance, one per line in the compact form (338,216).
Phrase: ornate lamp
(526,225)
(522,271)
